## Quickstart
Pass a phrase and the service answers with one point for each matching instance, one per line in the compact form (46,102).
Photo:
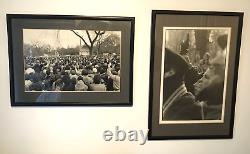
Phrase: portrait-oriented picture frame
(193,74)
(70,60)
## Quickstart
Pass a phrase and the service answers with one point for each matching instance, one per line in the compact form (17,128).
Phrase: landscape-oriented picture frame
(70,60)
(193,74)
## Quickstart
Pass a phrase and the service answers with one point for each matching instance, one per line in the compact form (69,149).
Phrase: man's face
(209,78)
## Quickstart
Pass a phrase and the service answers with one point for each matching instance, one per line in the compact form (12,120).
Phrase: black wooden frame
(152,63)
(98,102)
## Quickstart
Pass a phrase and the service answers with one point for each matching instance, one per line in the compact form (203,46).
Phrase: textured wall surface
(78,130)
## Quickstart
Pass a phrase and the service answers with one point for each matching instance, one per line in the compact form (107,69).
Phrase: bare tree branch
(91,42)
(81,38)
(98,33)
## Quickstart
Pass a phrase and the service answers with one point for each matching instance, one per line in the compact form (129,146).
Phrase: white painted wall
(78,130)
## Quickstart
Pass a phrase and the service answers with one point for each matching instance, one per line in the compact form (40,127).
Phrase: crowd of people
(72,73)
(191,94)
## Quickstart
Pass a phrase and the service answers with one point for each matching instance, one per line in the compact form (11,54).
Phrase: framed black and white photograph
(194,69)
(70,60)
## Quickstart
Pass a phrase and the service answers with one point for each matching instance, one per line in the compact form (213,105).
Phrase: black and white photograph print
(71,60)
(193,74)
(194,64)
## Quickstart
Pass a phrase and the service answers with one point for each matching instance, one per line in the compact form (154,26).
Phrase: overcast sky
(58,38)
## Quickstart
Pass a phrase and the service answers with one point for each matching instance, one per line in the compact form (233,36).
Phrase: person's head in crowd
(80,66)
(97,79)
(54,70)
(112,62)
(67,67)
(90,71)
(102,70)
(41,66)
(97,66)
(35,77)
(58,69)
(80,78)
(85,72)
(29,69)
(117,67)
(94,70)
(67,73)
(73,72)
(66,79)
(105,65)
(47,72)
(37,68)
(89,67)
(59,85)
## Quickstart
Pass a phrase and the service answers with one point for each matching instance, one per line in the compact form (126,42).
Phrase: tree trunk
(91,50)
